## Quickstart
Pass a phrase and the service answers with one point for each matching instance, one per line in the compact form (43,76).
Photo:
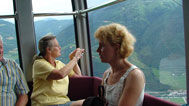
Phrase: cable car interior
(161,28)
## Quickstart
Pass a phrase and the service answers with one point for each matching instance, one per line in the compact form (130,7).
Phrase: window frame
(186,30)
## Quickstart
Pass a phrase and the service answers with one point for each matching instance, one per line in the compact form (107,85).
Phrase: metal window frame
(82,35)
(7,16)
(186,31)
(25,35)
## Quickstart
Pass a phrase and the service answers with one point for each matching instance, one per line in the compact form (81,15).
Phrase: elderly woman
(124,83)
(50,76)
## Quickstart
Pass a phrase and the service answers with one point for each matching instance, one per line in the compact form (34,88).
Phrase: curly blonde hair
(117,34)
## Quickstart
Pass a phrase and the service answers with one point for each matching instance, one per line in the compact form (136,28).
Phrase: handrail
(7,16)
(101,6)
(54,14)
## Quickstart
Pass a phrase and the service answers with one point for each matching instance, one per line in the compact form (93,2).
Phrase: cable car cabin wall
(161,28)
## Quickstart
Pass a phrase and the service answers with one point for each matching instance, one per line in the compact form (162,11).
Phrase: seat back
(85,86)
(150,100)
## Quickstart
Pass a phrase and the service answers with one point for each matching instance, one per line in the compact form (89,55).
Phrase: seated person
(50,76)
(124,83)
(14,89)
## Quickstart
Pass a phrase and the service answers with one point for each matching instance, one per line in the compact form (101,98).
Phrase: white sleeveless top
(113,92)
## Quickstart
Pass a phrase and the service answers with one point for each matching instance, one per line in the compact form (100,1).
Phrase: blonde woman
(124,82)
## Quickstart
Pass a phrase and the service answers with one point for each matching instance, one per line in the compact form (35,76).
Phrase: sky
(46,6)
(39,6)
(51,6)
(6,7)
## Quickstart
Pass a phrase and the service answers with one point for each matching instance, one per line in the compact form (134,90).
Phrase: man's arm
(22,100)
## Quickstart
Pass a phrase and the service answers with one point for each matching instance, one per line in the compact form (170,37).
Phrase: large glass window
(7,31)
(159,50)
(64,31)
(61,26)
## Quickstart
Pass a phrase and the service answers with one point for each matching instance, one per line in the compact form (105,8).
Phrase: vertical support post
(82,37)
(186,31)
(25,35)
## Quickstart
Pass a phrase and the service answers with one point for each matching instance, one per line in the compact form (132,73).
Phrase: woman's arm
(59,74)
(77,71)
(76,68)
(133,88)
(22,100)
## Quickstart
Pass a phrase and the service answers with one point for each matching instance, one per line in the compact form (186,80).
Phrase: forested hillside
(158,28)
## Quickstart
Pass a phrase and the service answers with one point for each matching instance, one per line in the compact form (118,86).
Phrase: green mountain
(158,28)
(7,30)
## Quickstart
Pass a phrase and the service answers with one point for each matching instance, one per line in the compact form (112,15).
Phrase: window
(159,50)
(7,30)
(61,26)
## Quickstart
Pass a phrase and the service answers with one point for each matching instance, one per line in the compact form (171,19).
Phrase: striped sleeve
(21,86)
